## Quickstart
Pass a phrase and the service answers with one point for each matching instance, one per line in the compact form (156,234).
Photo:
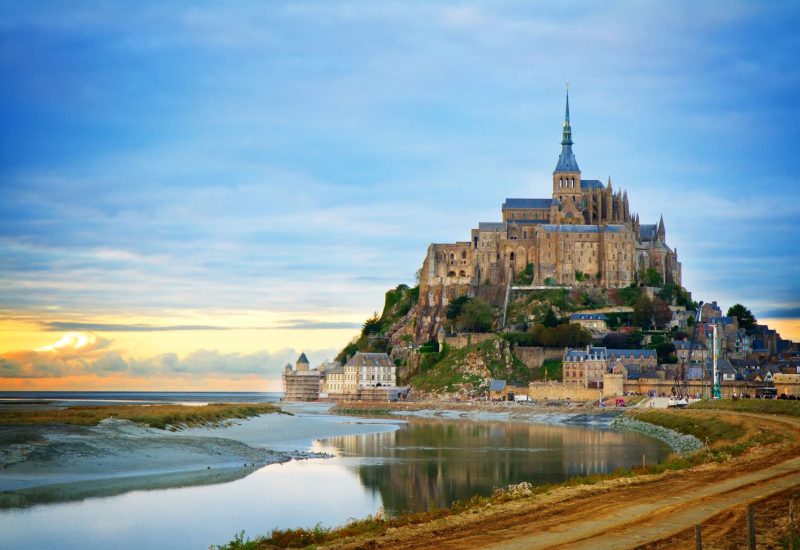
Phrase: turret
(661,232)
(302,362)
(625,212)
(567,175)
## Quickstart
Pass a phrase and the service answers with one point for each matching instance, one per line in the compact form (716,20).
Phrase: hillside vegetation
(397,303)
(469,369)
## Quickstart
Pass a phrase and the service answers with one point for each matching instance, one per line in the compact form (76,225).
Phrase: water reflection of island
(430,463)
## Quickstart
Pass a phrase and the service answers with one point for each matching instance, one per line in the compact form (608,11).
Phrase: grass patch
(706,429)
(155,416)
(765,406)
(553,368)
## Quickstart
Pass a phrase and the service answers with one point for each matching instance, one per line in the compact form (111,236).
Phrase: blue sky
(198,163)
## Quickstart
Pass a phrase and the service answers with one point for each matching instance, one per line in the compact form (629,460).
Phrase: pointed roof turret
(302,358)
(661,231)
(566,138)
(566,160)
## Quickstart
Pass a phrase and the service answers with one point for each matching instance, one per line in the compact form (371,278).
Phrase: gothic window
(452,256)
(463,254)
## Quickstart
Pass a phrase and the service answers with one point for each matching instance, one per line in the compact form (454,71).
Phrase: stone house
(690,352)
(585,368)
(362,370)
(596,323)
(644,358)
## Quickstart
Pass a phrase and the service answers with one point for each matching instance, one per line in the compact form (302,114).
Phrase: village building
(688,351)
(362,373)
(301,383)
(596,323)
(585,368)
(642,358)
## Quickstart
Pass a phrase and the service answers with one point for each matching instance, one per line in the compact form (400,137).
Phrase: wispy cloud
(58,326)
(307,324)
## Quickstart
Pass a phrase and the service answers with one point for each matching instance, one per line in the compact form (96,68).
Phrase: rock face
(467,372)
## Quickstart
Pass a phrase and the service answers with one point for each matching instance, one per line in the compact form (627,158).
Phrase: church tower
(567,175)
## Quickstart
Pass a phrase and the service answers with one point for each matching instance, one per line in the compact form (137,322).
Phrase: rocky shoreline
(678,442)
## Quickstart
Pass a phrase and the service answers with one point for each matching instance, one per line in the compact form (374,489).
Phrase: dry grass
(155,416)
(768,406)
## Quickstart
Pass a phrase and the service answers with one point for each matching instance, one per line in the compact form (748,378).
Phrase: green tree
(629,295)
(371,325)
(746,319)
(525,277)
(635,339)
(550,319)
(662,314)
(666,352)
(652,277)
(454,308)
(475,316)
(643,312)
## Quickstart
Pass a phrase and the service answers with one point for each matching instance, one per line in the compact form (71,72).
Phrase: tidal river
(400,466)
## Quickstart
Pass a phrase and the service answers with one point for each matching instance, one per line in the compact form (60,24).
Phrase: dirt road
(623,513)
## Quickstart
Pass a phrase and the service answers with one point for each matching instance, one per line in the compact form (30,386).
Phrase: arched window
(452,256)
(462,273)
(463,254)
(451,273)
(511,257)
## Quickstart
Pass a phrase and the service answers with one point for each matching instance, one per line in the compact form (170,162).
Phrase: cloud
(785,312)
(199,364)
(306,324)
(57,326)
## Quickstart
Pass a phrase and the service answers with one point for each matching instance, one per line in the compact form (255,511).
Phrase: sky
(191,193)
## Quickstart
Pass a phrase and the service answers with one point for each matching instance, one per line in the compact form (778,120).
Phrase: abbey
(583,235)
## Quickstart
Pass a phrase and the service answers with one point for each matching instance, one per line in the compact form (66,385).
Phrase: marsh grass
(707,429)
(767,406)
(155,416)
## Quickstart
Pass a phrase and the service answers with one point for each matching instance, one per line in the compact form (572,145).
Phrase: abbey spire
(566,160)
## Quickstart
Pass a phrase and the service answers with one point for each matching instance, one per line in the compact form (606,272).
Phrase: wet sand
(34,456)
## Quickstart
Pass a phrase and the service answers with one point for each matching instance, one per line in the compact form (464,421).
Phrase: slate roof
(688,345)
(368,359)
(727,320)
(648,231)
(592,184)
(566,160)
(614,353)
(588,317)
(527,203)
(530,222)
(492,226)
(583,228)
(497,385)
(302,358)
(581,354)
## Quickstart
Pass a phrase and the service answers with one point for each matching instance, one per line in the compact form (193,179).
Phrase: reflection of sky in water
(423,464)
